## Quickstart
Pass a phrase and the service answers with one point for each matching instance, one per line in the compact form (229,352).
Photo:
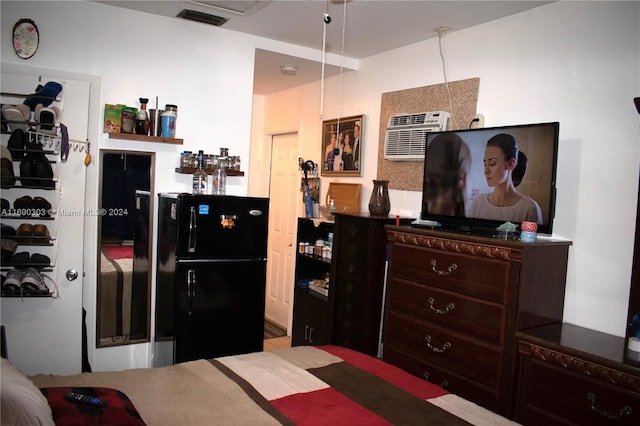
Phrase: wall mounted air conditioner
(405,137)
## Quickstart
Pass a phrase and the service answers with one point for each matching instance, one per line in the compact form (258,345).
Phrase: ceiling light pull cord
(446,80)
(326,19)
(324,45)
(344,26)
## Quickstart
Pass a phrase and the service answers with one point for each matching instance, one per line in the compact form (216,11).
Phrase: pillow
(22,401)
(118,411)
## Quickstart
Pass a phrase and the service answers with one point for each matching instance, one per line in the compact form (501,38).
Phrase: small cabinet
(310,308)
(572,375)
(357,275)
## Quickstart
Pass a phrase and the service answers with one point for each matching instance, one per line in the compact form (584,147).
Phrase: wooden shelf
(192,170)
(142,138)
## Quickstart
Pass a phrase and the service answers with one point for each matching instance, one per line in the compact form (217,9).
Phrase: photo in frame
(342,144)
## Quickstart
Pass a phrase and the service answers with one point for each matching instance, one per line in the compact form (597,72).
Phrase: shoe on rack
(40,230)
(33,282)
(12,282)
(39,261)
(44,171)
(17,143)
(25,230)
(20,260)
(47,119)
(23,204)
(18,117)
(41,206)
(8,248)
(8,176)
(44,95)
(7,231)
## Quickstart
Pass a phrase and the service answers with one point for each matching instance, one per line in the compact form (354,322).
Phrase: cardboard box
(112,118)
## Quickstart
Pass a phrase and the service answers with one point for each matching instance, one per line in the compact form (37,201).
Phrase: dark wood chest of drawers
(454,303)
(569,375)
(357,279)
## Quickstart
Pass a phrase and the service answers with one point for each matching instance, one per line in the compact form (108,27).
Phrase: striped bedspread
(304,385)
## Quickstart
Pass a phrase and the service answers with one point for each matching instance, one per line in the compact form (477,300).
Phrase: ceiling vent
(405,137)
(205,18)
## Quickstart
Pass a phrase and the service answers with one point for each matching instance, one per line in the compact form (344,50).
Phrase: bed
(302,385)
(116,278)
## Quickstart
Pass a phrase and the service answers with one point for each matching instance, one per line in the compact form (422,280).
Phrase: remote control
(85,399)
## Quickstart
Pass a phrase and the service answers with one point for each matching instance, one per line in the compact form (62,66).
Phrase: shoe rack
(31,207)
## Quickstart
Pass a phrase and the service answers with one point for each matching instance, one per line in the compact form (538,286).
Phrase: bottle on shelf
(142,118)
(200,177)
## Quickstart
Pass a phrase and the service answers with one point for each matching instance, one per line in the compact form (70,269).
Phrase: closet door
(44,334)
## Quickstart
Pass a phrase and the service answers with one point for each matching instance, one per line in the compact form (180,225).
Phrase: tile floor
(277,343)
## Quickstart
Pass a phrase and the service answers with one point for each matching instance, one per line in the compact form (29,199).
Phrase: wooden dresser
(357,279)
(569,375)
(454,303)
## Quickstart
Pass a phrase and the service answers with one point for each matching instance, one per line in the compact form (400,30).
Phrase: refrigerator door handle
(192,230)
(191,290)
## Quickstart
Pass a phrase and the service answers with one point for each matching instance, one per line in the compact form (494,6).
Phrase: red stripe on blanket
(119,252)
(325,407)
(412,384)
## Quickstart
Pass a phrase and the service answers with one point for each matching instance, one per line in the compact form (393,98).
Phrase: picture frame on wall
(342,145)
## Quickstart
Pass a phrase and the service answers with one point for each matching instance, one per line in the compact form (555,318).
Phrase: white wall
(553,63)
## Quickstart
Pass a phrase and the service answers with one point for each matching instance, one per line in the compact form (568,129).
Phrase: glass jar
(185,160)
(219,182)
(208,162)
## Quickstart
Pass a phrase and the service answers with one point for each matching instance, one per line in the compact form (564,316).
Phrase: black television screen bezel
(469,225)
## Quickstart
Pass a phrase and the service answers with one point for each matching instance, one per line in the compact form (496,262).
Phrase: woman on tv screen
(504,169)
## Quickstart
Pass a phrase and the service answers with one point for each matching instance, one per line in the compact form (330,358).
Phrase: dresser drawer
(471,359)
(348,331)
(453,311)
(555,393)
(471,275)
(452,382)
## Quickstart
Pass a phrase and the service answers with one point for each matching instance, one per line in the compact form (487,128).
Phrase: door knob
(72,274)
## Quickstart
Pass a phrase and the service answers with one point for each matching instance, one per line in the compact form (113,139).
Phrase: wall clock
(25,38)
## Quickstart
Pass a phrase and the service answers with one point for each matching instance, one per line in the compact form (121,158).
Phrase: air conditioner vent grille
(405,136)
(205,18)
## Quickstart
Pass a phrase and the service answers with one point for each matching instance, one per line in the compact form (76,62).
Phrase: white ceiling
(372,27)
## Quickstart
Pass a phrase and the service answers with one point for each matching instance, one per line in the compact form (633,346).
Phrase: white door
(44,334)
(284,194)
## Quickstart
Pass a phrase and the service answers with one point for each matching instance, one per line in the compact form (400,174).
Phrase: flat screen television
(472,185)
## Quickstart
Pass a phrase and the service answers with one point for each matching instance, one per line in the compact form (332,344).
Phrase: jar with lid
(168,121)
(185,160)
(200,178)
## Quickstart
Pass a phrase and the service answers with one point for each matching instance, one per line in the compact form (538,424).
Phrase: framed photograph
(342,141)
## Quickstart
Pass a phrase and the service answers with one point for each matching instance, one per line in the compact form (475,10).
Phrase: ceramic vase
(379,204)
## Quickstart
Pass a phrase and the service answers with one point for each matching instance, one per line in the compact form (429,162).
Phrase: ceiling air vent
(205,18)
(405,137)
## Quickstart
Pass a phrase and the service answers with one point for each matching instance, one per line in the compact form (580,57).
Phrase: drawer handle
(624,411)
(446,309)
(449,270)
(447,345)
(444,384)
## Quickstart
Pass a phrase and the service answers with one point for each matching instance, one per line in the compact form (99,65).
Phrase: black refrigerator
(211,276)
